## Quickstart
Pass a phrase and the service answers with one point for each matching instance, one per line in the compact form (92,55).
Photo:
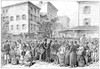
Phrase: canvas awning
(81,28)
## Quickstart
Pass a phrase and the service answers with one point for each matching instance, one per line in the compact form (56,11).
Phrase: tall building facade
(48,10)
(21,18)
(89,13)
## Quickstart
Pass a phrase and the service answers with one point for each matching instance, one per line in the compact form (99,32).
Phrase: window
(37,19)
(7,17)
(24,17)
(11,18)
(38,12)
(6,10)
(17,26)
(31,8)
(34,26)
(31,26)
(11,27)
(3,11)
(17,17)
(23,26)
(34,18)
(35,10)
(3,18)
(87,21)
(31,15)
(87,9)
(6,26)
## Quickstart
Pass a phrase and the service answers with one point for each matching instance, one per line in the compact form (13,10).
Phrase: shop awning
(81,28)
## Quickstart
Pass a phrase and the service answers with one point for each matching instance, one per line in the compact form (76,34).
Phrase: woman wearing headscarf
(61,55)
(20,49)
(80,56)
(33,46)
(54,50)
(13,55)
(86,53)
(41,51)
(28,56)
(93,54)
(73,55)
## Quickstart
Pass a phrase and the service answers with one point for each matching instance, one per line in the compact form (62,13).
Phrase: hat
(87,42)
(45,39)
(75,41)
(55,40)
(50,40)
(6,41)
(19,40)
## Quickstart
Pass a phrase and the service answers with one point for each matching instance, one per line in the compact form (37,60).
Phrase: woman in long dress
(61,55)
(19,44)
(28,56)
(67,56)
(73,55)
(80,56)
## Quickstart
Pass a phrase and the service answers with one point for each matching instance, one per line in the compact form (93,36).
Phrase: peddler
(61,55)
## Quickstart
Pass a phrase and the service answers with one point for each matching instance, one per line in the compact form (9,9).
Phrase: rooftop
(20,4)
(82,2)
(92,28)
(44,3)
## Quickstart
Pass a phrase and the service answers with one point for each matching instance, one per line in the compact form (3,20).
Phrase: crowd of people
(66,53)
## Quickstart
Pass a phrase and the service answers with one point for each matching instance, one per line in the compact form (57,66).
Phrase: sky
(68,8)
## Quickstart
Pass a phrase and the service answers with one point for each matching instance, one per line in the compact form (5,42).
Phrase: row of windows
(34,10)
(34,18)
(18,27)
(18,17)
(33,26)
(12,18)
(6,18)
(4,11)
